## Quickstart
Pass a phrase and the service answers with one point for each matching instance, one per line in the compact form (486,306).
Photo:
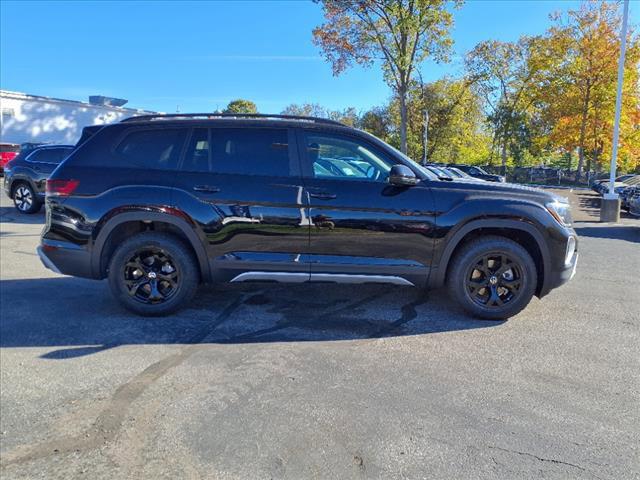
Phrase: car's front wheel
(153,274)
(492,277)
(25,199)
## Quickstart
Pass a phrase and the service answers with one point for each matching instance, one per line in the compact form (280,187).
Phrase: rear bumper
(65,258)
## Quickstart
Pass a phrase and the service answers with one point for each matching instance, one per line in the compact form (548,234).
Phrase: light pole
(610,207)
(426,136)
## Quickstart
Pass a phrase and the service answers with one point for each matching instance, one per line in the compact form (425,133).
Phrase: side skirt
(319,277)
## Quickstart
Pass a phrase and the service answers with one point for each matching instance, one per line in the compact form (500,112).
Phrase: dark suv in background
(25,176)
(478,172)
(159,204)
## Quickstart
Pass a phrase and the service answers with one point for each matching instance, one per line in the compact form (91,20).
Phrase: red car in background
(8,151)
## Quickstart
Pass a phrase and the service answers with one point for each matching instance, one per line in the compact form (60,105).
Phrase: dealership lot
(321,381)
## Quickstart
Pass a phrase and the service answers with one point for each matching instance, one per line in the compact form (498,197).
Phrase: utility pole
(610,207)
(426,136)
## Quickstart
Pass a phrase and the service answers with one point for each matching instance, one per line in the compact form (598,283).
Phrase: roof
(39,98)
(254,117)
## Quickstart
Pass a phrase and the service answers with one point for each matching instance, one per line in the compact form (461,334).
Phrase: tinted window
(197,158)
(50,155)
(250,151)
(347,159)
(157,149)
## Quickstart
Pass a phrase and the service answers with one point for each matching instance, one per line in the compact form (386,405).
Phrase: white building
(32,118)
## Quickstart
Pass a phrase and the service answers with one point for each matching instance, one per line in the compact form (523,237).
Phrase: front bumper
(558,276)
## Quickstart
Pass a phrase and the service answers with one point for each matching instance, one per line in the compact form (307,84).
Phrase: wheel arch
(521,232)
(122,225)
(20,179)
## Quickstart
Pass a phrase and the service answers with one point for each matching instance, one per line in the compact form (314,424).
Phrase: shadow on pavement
(79,317)
(629,233)
(11,215)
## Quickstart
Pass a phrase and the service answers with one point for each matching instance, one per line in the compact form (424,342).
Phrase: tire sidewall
(179,254)
(516,252)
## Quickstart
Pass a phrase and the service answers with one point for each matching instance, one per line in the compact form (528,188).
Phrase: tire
(149,259)
(492,278)
(25,199)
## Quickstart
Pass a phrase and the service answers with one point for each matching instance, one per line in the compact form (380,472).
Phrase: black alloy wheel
(151,276)
(492,277)
(153,273)
(494,280)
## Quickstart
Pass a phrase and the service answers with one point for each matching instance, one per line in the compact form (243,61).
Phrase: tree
(580,100)
(504,73)
(456,129)
(377,121)
(241,106)
(348,116)
(399,33)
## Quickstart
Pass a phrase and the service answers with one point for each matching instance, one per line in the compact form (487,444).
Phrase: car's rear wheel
(492,278)
(153,274)
(25,199)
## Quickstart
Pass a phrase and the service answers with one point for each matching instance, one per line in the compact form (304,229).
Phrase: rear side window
(250,151)
(197,158)
(49,155)
(157,149)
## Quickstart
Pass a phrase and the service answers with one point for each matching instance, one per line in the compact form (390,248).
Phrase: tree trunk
(583,131)
(403,119)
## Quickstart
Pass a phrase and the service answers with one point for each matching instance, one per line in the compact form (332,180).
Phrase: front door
(244,188)
(363,228)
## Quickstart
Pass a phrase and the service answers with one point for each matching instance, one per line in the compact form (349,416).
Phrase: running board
(318,277)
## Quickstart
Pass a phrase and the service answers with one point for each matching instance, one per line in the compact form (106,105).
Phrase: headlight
(561,211)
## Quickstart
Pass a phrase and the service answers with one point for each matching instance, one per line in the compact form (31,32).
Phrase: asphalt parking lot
(321,381)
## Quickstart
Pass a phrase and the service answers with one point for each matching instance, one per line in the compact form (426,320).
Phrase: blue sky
(199,55)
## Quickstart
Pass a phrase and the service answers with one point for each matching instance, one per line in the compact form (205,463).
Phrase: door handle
(206,189)
(322,195)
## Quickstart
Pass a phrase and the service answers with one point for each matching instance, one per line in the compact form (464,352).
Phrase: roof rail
(209,116)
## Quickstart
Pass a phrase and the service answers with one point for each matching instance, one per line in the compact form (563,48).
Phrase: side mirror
(402,176)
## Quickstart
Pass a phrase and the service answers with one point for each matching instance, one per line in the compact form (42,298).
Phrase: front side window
(345,159)
(157,149)
(250,151)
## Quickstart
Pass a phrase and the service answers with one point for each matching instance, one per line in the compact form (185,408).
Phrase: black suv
(26,174)
(159,204)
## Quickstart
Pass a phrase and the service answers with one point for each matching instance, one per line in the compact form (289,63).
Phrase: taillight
(6,157)
(61,188)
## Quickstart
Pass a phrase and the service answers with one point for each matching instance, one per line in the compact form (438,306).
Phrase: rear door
(242,185)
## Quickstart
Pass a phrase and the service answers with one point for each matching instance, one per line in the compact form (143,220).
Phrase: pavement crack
(108,423)
(542,459)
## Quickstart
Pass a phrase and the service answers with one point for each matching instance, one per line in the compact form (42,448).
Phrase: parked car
(158,204)
(634,203)
(478,172)
(26,175)
(618,186)
(626,194)
(598,184)
(8,151)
